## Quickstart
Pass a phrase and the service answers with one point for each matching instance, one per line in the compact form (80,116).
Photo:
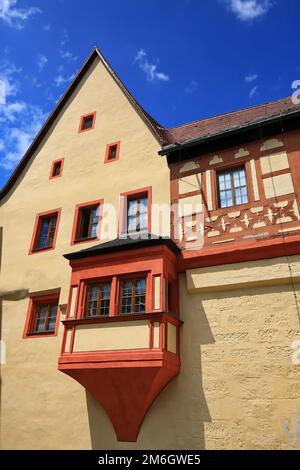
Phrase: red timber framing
(263,221)
(124,380)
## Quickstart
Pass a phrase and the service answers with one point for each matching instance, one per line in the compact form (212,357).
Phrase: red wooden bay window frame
(131,195)
(33,309)
(78,220)
(37,231)
(108,152)
(83,118)
(55,164)
(133,279)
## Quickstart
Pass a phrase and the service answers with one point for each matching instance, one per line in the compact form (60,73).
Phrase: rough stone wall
(243,354)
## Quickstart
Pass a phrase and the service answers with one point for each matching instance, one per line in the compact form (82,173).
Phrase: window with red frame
(112,152)
(56,169)
(87,224)
(133,296)
(87,122)
(232,187)
(137,213)
(43,316)
(97,299)
(45,234)
(88,219)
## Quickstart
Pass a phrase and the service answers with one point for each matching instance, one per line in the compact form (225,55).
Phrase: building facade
(150,278)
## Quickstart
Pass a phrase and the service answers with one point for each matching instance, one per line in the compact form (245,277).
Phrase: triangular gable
(153,126)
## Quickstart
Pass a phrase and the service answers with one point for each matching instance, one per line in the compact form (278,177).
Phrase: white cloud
(15,17)
(191,87)
(61,79)
(9,111)
(65,38)
(18,138)
(8,80)
(247,10)
(68,56)
(149,69)
(19,121)
(253,91)
(41,61)
(251,78)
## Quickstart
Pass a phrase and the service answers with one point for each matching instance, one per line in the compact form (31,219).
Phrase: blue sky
(182,59)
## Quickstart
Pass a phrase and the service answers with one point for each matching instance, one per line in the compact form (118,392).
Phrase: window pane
(144,205)
(126,304)
(89,218)
(232,187)
(143,221)
(44,232)
(105,298)
(112,153)
(140,295)
(132,207)
(87,122)
(132,223)
(85,223)
(221,182)
(57,167)
(92,300)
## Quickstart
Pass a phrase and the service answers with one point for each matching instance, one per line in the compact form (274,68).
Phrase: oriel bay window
(232,187)
(133,296)
(45,231)
(97,299)
(86,222)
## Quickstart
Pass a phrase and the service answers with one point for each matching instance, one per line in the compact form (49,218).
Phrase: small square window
(87,122)
(42,316)
(112,152)
(86,222)
(232,187)
(45,231)
(56,168)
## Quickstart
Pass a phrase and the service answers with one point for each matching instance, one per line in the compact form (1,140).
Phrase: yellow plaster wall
(41,407)
(110,336)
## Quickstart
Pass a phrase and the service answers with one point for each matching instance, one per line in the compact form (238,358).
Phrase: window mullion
(99,301)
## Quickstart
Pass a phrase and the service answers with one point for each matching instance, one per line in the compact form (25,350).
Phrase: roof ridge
(226,114)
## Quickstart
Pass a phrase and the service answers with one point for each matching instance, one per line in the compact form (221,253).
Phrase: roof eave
(171,148)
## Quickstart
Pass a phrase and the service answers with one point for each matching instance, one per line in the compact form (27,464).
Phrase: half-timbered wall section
(267,208)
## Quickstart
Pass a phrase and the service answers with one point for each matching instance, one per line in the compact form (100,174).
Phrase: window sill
(40,250)
(41,334)
(84,240)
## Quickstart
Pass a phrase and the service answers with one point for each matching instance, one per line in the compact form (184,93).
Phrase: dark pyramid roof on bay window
(124,243)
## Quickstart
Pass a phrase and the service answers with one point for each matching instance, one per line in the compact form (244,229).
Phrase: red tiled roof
(228,121)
